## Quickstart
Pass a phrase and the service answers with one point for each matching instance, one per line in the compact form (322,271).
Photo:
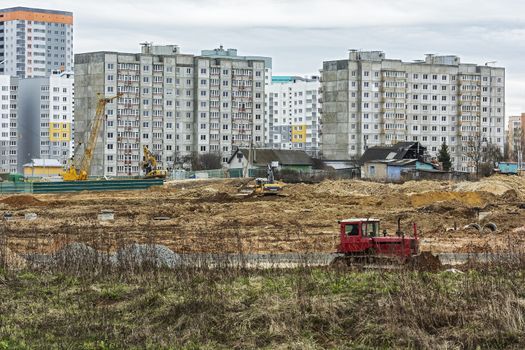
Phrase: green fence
(15,187)
(76,186)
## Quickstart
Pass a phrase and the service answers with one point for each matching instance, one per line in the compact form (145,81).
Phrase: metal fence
(76,186)
(16,187)
(200,174)
(287,175)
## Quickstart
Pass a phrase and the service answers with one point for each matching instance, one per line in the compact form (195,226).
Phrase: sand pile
(497,185)
(468,198)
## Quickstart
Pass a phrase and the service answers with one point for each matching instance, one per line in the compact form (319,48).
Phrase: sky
(300,34)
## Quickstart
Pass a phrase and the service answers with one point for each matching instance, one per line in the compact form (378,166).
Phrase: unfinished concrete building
(177,104)
(516,137)
(370,100)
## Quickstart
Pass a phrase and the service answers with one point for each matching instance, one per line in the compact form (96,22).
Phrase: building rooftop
(220,52)
(44,162)
(32,9)
(281,79)
(401,150)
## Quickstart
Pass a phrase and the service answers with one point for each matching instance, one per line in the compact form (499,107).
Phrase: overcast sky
(300,34)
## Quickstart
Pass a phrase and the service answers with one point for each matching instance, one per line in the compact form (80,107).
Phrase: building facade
(292,115)
(516,137)
(8,124)
(370,100)
(178,105)
(46,118)
(35,42)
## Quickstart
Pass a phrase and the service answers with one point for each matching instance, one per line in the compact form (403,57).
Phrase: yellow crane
(74,173)
(150,166)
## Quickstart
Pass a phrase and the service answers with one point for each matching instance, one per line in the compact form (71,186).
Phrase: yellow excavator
(149,165)
(268,186)
(80,172)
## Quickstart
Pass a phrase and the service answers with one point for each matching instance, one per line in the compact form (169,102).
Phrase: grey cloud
(300,34)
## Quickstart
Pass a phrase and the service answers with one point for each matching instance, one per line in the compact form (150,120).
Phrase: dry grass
(85,301)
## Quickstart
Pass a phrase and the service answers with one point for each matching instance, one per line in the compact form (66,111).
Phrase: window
(370,229)
(352,229)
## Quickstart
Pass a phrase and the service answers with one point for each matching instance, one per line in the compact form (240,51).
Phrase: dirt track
(209,216)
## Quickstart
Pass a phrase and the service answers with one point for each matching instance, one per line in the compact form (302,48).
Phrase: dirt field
(210,216)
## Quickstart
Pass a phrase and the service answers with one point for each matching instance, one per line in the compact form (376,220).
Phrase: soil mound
(21,201)
(426,261)
(428,198)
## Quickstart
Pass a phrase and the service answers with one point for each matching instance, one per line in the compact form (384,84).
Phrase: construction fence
(77,186)
(286,175)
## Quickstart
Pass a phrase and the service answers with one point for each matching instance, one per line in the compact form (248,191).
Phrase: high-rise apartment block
(8,124)
(292,114)
(35,42)
(369,100)
(516,137)
(178,105)
(46,118)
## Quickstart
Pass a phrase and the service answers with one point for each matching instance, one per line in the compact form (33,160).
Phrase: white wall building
(8,123)
(176,104)
(46,118)
(292,115)
(370,100)
(35,42)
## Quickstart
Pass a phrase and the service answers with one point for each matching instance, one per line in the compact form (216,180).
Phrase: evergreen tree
(444,157)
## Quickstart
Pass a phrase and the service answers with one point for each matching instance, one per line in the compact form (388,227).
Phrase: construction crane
(81,172)
(149,165)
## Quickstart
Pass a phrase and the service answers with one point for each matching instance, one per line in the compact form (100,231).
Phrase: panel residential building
(178,105)
(516,137)
(46,118)
(292,114)
(8,124)
(369,100)
(35,42)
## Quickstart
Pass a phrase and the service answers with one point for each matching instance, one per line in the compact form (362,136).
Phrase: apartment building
(35,42)
(46,118)
(516,137)
(292,116)
(8,124)
(178,105)
(370,100)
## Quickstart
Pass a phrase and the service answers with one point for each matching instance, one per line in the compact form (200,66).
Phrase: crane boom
(71,173)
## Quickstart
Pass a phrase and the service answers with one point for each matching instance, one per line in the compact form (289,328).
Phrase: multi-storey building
(516,137)
(35,42)
(370,100)
(292,113)
(8,123)
(177,105)
(46,118)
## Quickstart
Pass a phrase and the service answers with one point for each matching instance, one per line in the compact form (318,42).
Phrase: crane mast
(71,173)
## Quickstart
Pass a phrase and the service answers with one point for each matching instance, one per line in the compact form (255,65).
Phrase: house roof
(397,151)
(44,162)
(262,157)
(394,162)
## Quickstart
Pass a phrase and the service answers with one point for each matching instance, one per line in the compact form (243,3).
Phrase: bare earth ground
(210,216)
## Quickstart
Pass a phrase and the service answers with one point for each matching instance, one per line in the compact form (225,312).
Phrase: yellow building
(43,168)
(299,133)
(59,131)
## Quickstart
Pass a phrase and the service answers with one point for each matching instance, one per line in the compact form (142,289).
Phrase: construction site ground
(211,216)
